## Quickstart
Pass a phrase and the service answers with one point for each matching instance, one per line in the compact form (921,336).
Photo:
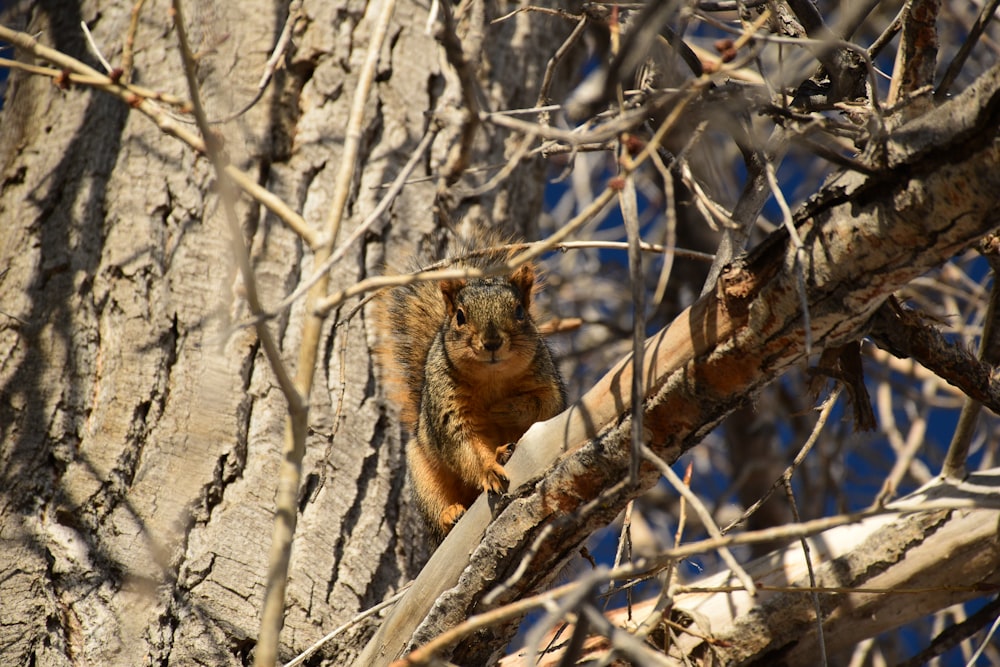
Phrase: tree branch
(902,333)
(870,576)
(864,237)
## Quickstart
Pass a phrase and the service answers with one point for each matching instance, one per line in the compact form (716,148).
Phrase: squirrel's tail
(407,319)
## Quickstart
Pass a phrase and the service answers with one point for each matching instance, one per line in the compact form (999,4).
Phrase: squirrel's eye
(460,317)
(519,313)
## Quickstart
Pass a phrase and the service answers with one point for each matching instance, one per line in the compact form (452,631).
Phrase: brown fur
(466,365)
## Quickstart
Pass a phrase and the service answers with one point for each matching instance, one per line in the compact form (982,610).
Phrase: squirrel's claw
(496,479)
(504,452)
(450,516)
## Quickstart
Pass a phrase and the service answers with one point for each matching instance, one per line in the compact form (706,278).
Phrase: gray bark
(140,425)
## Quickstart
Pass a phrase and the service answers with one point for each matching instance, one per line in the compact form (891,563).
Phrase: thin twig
(423,655)
(459,156)
(906,451)
(578,136)
(624,642)
(656,248)
(890,31)
(561,13)
(75,71)
(668,588)
(750,204)
(271,621)
(140,98)
(609,193)
(807,557)
(644,567)
(529,111)
(703,515)
(624,552)
(239,247)
(529,555)
(293,448)
(284,39)
(302,657)
(93,47)
(987,641)
(955,634)
(366,226)
(800,251)
(504,587)
(380,282)
(550,66)
(522,149)
(710,210)
(128,48)
(955,66)
(824,415)
(629,205)
(669,228)
(823,43)
(989,353)
(352,134)
(838,590)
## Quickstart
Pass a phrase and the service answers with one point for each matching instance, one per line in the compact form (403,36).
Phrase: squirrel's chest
(503,414)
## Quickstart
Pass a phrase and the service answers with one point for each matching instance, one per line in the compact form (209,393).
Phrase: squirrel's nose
(492,344)
(492,338)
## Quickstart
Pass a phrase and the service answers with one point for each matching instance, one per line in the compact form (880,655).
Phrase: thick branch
(905,335)
(886,572)
(864,236)
(873,575)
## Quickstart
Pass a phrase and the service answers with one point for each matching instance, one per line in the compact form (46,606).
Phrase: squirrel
(468,368)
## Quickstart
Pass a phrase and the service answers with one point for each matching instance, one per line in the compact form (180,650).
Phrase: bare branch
(989,355)
(293,449)
(904,334)
(726,346)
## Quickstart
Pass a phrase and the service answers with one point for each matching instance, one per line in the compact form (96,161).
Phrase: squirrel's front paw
(504,452)
(495,479)
(450,516)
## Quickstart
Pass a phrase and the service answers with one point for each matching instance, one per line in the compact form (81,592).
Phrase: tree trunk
(141,425)
(142,418)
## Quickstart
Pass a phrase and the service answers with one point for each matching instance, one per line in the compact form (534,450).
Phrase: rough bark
(140,424)
(127,421)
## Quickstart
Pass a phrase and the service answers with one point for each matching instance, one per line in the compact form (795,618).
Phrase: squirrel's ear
(524,280)
(450,290)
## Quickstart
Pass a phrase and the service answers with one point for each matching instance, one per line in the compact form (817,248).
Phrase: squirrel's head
(489,319)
